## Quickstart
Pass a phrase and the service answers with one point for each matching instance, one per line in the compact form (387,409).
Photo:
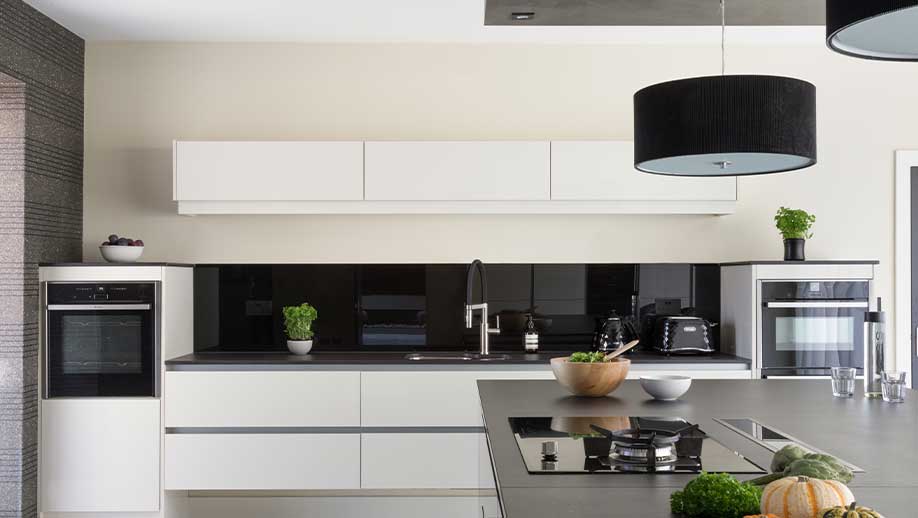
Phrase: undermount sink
(456,357)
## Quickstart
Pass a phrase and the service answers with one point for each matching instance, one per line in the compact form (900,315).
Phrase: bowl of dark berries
(121,249)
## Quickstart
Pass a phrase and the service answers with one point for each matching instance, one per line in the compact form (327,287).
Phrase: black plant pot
(794,249)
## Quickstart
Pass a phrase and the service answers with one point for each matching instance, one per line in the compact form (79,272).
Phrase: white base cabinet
(423,461)
(262,398)
(431,398)
(99,455)
(281,461)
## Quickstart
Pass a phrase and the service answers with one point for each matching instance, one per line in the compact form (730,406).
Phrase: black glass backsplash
(408,307)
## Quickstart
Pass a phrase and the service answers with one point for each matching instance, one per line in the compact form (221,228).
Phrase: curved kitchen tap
(486,330)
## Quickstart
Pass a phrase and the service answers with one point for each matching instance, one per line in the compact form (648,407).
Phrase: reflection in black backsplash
(404,307)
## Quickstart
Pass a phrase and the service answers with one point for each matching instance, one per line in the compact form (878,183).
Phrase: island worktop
(878,437)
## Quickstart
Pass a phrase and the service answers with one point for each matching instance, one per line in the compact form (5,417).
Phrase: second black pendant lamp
(873,29)
(725,125)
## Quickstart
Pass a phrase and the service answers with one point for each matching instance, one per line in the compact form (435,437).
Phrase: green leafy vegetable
(794,223)
(587,357)
(716,495)
(795,461)
(298,321)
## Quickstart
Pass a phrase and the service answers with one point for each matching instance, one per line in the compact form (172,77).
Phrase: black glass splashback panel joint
(419,307)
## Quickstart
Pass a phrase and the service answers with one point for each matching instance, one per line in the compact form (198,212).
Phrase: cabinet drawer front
(604,170)
(262,461)
(457,171)
(428,398)
(424,461)
(274,398)
(100,455)
(268,171)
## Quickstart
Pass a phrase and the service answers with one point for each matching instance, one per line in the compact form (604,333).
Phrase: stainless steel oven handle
(98,307)
(837,304)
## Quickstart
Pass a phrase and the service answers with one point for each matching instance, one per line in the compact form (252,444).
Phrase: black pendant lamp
(725,125)
(873,29)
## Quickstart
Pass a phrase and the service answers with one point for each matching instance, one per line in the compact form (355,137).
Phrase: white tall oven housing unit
(797,319)
(105,331)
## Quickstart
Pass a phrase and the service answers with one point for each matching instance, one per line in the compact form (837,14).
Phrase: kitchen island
(873,435)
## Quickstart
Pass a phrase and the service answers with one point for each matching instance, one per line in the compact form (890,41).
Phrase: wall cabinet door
(428,398)
(604,170)
(457,171)
(100,455)
(262,398)
(262,461)
(268,171)
(423,461)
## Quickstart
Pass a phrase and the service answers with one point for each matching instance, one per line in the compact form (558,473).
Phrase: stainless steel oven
(810,326)
(101,340)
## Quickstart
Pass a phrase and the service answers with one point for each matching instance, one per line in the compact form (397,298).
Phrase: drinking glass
(893,384)
(843,381)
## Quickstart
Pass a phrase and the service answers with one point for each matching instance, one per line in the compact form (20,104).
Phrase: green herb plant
(596,357)
(794,223)
(716,495)
(298,321)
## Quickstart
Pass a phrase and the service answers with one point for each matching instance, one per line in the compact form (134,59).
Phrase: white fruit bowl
(666,387)
(121,253)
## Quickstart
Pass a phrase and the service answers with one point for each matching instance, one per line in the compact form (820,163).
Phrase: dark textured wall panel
(41,218)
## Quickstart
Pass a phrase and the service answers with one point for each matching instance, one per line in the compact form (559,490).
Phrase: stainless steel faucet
(486,329)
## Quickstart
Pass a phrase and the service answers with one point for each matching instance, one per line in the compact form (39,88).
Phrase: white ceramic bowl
(121,253)
(299,347)
(666,387)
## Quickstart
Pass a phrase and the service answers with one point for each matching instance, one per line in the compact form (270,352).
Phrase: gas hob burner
(650,447)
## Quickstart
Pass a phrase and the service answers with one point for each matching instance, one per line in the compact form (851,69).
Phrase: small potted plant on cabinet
(794,225)
(298,323)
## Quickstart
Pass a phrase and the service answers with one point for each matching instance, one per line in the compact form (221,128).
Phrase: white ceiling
(361,21)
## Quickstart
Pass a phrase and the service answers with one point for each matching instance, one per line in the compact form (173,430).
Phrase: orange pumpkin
(803,497)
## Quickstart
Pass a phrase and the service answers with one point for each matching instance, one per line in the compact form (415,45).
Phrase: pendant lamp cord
(723,37)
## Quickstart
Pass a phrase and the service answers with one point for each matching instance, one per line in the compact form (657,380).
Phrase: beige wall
(139,97)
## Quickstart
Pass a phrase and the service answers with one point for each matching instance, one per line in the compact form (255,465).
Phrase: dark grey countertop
(815,261)
(878,437)
(103,263)
(398,358)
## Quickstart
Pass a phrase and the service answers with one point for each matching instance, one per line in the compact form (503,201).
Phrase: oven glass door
(101,352)
(813,335)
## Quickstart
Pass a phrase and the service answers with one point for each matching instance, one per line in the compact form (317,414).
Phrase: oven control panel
(96,293)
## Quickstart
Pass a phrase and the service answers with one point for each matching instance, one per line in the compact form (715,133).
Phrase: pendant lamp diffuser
(725,126)
(873,29)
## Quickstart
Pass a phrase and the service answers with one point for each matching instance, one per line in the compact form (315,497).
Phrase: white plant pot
(300,347)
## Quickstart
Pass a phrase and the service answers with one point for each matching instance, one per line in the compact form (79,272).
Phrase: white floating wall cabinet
(458,171)
(428,177)
(267,171)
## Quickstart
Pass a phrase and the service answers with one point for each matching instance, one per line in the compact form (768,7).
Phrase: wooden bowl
(590,379)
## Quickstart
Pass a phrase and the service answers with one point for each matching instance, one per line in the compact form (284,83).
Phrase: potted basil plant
(794,225)
(298,324)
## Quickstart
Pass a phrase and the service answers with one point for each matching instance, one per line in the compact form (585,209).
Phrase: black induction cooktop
(622,444)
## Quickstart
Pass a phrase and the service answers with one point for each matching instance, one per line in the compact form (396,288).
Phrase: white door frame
(905,161)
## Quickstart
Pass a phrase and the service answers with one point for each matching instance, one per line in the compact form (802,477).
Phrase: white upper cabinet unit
(604,171)
(458,171)
(268,171)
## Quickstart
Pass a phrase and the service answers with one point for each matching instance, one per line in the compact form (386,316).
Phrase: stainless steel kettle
(608,335)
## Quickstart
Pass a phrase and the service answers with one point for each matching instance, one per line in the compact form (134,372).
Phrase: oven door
(811,336)
(100,350)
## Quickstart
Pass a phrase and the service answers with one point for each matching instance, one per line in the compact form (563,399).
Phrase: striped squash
(803,497)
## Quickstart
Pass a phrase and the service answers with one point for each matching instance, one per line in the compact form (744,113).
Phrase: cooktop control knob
(549,450)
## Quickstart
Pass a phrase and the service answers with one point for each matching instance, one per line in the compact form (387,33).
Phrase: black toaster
(682,335)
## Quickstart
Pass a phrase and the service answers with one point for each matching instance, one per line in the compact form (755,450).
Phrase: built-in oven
(101,340)
(808,327)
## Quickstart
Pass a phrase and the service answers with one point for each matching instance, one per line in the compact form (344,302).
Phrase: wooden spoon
(625,348)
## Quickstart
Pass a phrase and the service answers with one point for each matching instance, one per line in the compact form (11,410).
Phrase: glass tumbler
(893,384)
(843,381)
